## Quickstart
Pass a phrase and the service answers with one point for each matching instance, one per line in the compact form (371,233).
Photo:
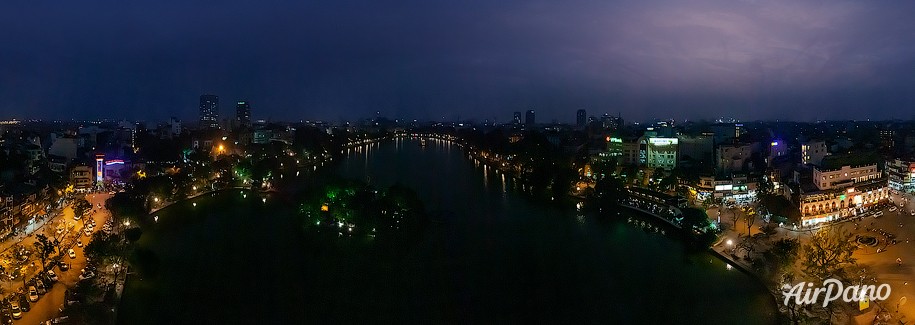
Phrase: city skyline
(751,60)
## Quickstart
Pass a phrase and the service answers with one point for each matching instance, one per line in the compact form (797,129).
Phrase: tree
(751,217)
(765,186)
(828,253)
(44,247)
(734,217)
(81,207)
(781,256)
(747,244)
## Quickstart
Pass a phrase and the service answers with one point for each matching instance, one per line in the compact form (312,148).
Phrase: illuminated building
(614,147)
(813,152)
(99,168)
(209,111)
(839,190)
(901,174)
(243,114)
(658,152)
(887,139)
(81,177)
(777,148)
(529,118)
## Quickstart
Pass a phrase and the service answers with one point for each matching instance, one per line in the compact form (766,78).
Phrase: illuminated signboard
(774,143)
(99,168)
(662,141)
(724,187)
(114,162)
(618,140)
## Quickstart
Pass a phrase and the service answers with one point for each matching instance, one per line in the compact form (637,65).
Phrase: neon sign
(662,141)
(114,162)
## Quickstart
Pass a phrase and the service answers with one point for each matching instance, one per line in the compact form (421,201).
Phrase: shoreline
(724,258)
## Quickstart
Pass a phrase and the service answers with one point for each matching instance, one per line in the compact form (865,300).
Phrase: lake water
(493,255)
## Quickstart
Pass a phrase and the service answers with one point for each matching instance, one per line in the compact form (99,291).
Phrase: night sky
(344,59)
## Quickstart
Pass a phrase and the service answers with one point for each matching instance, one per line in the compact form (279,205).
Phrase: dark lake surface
(493,255)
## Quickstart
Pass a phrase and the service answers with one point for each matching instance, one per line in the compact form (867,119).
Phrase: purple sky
(794,59)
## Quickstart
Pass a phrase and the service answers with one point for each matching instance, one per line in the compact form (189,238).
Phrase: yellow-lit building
(842,192)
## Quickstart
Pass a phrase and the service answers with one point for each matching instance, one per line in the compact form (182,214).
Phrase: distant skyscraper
(243,114)
(581,118)
(611,122)
(529,117)
(209,111)
(517,119)
(887,139)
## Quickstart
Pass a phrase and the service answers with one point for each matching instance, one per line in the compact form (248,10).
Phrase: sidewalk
(168,204)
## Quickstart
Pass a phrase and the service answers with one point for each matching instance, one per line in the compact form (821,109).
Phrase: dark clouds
(427,59)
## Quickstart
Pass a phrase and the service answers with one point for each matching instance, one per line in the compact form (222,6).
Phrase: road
(48,306)
(901,278)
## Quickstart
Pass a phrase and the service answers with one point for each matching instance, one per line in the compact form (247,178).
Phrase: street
(48,306)
(880,259)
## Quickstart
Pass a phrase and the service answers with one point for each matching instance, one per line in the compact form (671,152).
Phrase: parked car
(71,253)
(63,266)
(23,302)
(52,275)
(79,243)
(14,308)
(892,208)
(33,294)
(41,288)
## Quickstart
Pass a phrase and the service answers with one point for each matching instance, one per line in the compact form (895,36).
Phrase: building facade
(901,175)
(841,192)
(813,152)
(243,114)
(658,152)
(209,111)
(581,118)
(81,177)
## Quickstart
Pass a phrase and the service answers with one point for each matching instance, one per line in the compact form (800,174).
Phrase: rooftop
(834,162)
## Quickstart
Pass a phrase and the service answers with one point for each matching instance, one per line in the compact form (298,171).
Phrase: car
(14,308)
(23,302)
(892,208)
(52,275)
(878,214)
(33,294)
(63,266)
(87,232)
(71,253)
(41,287)
(79,243)
(5,319)
(86,274)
